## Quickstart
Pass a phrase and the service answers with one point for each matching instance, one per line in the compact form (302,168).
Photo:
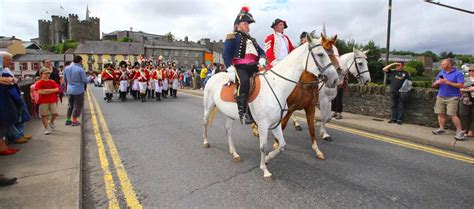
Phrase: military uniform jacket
(235,48)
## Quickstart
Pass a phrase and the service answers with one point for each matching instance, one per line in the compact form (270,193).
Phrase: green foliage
(417,65)
(436,71)
(431,54)
(169,36)
(410,69)
(61,47)
(445,54)
(125,39)
(401,52)
(422,84)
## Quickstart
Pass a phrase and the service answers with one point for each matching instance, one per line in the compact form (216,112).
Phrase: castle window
(196,54)
(186,54)
(176,53)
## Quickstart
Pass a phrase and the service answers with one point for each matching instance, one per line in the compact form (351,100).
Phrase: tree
(417,66)
(431,54)
(169,36)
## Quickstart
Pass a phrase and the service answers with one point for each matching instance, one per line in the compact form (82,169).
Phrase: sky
(416,25)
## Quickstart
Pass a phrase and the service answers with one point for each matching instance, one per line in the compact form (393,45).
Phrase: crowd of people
(45,93)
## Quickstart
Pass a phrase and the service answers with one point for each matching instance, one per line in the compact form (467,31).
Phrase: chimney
(186,39)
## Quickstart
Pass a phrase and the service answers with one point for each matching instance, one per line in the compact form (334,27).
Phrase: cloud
(416,25)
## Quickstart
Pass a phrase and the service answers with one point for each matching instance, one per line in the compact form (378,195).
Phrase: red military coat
(270,48)
(108,75)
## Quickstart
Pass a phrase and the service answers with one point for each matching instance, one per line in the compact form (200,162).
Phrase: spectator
(34,98)
(203,75)
(48,91)
(449,81)
(54,71)
(466,110)
(397,78)
(196,78)
(75,77)
(8,115)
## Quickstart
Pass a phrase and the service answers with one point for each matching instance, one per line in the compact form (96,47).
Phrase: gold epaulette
(230,36)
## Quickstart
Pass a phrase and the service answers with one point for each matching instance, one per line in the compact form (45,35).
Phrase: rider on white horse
(243,51)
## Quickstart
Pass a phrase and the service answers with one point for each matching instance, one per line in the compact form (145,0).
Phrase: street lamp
(389,20)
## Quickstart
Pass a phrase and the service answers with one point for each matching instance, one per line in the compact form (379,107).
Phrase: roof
(30,45)
(5,44)
(38,57)
(165,44)
(108,47)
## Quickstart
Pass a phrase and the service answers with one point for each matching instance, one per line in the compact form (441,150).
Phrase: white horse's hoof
(206,145)
(237,159)
(320,156)
(282,148)
(276,145)
(268,177)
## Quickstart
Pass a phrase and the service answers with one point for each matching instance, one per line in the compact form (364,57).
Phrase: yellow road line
(104,162)
(402,143)
(390,140)
(127,187)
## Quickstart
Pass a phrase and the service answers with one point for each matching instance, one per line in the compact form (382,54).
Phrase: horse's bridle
(354,61)
(320,78)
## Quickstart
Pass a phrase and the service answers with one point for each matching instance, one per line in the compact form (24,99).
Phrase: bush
(411,70)
(436,71)
(422,84)
(417,65)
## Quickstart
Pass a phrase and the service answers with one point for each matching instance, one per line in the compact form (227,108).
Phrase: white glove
(262,61)
(231,70)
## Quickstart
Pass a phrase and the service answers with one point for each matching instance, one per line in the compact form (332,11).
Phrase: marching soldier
(175,80)
(157,77)
(165,80)
(142,76)
(134,80)
(123,79)
(108,76)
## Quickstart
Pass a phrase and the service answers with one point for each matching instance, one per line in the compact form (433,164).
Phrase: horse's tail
(212,115)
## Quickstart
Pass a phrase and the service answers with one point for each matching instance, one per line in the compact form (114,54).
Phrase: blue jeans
(16,131)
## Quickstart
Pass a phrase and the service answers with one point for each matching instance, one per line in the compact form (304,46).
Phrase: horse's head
(359,68)
(329,44)
(319,63)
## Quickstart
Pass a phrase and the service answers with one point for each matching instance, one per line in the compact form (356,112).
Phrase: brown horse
(305,96)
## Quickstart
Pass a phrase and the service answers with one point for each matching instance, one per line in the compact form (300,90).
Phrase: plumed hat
(244,16)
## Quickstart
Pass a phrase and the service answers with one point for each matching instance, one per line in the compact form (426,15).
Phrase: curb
(444,146)
(418,140)
(81,159)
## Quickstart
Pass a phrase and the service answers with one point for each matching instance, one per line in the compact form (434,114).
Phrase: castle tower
(43,31)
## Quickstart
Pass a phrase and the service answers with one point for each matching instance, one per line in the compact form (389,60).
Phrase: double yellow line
(110,188)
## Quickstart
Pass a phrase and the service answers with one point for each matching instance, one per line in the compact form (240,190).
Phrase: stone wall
(375,101)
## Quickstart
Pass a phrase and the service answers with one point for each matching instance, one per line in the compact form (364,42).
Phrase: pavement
(160,146)
(48,168)
(409,132)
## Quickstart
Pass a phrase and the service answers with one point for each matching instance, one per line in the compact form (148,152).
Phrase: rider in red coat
(277,44)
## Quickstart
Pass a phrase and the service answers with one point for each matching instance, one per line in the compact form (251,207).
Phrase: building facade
(60,28)
(95,53)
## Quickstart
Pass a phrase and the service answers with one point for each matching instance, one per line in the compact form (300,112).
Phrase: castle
(62,28)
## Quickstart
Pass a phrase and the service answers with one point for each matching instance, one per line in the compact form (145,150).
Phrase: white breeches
(123,85)
(135,85)
(109,86)
(142,86)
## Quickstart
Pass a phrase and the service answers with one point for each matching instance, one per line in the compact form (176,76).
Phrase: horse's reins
(320,77)
(359,73)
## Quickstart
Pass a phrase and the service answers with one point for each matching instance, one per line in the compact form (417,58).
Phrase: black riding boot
(158,95)
(109,97)
(174,93)
(148,93)
(143,96)
(122,96)
(152,94)
(248,117)
(242,106)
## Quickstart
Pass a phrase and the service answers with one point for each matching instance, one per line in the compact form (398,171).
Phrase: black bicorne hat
(278,21)
(244,16)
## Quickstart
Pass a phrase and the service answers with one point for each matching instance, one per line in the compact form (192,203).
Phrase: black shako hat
(244,16)
(123,64)
(279,21)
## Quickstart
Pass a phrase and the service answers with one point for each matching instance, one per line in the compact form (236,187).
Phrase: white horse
(354,62)
(269,106)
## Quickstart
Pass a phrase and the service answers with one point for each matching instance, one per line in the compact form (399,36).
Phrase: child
(48,90)
(35,97)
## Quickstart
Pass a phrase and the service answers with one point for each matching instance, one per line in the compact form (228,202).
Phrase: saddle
(229,92)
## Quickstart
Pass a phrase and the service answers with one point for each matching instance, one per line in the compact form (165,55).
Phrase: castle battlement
(59,28)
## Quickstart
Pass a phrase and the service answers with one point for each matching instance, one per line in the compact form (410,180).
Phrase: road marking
(390,140)
(127,187)
(104,162)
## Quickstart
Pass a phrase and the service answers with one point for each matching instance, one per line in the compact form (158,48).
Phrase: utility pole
(388,39)
(450,7)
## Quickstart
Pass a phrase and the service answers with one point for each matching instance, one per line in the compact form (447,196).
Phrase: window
(166,53)
(196,54)
(24,66)
(154,53)
(186,54)
(36,66)
(176,53)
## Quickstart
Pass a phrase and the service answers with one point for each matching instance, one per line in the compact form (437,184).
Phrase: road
(159,145)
